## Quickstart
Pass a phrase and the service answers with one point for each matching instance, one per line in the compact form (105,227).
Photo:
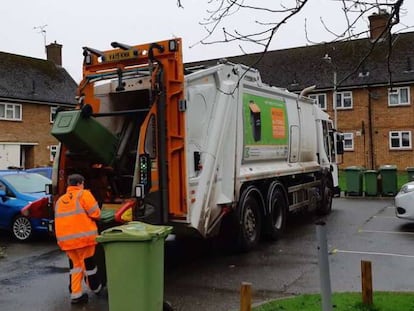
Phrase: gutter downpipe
(371,141)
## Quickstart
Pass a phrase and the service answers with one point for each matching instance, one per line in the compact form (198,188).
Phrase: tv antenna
(41,29)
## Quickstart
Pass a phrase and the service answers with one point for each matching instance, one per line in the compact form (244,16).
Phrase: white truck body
(219,130)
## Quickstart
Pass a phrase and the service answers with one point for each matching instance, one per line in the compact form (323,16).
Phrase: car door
(9,206)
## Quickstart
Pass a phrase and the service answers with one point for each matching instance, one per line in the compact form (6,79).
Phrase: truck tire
(250,219)
(325,206)
(277,211)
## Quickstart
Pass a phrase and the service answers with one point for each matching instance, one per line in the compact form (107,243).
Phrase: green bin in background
(371,182)
(353,176)
(389,184)
(134,256)
(410,173)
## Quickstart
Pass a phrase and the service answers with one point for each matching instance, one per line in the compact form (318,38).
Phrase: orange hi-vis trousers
(82,266)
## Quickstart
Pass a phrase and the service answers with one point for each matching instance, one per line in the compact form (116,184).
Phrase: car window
(9,193)
(27,183)
(2,186)
(45,171)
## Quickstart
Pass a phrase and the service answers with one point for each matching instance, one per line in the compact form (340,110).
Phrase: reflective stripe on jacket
(75,215)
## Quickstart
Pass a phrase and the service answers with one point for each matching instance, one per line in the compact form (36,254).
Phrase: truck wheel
(250,220)
(325,206)
(277,209)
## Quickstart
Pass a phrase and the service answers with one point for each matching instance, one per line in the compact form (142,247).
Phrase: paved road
(202,277)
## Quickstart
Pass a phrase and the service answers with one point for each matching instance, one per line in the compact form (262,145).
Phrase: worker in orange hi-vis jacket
(75,214)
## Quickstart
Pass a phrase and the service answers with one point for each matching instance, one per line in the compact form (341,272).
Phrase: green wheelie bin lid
(388,167)
(134,231)
(354,168)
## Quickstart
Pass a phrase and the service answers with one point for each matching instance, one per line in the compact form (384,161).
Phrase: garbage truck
(196,148)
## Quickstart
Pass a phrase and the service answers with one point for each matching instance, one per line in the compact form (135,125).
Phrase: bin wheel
(166,306)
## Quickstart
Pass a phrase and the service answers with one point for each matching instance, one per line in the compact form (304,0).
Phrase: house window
(398,96)
(344,100)
(10,112)
(320,99)
(400,140)
(348,141)
(52,151)
(52,114)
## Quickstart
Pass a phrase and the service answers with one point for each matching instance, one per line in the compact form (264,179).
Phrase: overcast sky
(96,24)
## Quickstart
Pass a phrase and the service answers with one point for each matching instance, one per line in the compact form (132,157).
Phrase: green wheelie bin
(410,173)
(371,182)
(353,175)
(388,180)
(134,256)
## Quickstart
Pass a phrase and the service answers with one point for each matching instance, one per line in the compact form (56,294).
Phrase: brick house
(31,90)
(375,105)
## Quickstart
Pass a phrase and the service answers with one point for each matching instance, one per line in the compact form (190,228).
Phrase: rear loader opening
(102,145)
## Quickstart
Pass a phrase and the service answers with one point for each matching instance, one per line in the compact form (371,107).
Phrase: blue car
(45,171)
(23,203)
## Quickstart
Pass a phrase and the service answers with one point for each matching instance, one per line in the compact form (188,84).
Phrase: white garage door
(9,155)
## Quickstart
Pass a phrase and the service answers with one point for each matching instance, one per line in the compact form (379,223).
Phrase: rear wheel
(325,206)
(250,219)
(22,228)
(277,209)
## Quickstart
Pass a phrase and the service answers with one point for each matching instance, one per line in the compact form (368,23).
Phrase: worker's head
(76,180)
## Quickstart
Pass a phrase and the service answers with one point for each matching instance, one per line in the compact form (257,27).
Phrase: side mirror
(48,188)
(340,147)
(2,193)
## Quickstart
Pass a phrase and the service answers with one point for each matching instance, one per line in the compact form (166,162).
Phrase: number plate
(119,55)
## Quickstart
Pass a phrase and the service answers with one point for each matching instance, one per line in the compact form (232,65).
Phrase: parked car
(23,203)
(404,207)
(45,171)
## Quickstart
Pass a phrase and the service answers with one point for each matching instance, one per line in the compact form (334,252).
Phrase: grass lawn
(383,301)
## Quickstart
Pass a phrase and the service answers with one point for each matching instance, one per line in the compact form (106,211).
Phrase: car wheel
(22,228)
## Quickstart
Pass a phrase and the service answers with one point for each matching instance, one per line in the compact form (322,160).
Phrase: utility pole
(328,59)
(335,107)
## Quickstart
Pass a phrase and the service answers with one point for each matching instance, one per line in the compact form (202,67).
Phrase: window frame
(398,91)
(11,107)
(342,100)
(316,96)
(351,138)
(401,140)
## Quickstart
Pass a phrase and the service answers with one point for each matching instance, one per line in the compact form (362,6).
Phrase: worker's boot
(82,299)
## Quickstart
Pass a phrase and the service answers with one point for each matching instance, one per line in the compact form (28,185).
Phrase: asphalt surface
(203,276)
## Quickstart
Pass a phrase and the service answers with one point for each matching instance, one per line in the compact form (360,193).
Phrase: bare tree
(271,16)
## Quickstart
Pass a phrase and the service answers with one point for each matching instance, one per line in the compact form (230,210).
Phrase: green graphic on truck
(265,128)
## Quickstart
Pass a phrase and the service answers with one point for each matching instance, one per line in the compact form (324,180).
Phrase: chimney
(54,53)
(377,24)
